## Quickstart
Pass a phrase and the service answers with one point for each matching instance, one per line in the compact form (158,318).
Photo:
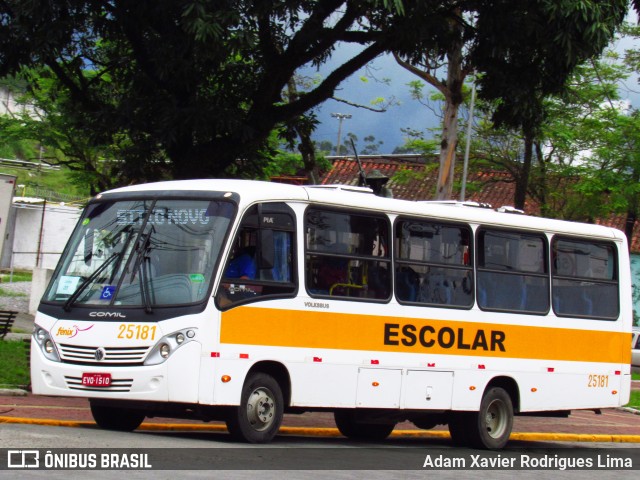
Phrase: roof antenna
(376,181)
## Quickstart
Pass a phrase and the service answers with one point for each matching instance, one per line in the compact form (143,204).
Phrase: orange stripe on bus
(313,329)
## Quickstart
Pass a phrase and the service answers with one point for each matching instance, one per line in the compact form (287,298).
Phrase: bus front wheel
(258,417)
(490,427)
(116,418)
(349,427)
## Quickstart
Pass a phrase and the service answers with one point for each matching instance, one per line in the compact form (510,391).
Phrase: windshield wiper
(140,267)
(78,291)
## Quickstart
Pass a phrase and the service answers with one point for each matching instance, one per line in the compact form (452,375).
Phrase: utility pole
(340,117)
(465,169)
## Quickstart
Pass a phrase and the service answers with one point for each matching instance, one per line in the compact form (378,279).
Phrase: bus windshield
(142,253)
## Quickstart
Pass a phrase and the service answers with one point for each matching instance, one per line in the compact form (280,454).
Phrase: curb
(13,392)
(17,336)
(333,432)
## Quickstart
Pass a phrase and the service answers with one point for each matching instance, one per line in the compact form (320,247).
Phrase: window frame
(262,208)
(479,238)
(578,279)
(398,261)
(387,259)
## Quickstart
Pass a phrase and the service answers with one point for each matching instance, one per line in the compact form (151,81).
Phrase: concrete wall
(39,283)
(32,234)
(10,105)
(7,190)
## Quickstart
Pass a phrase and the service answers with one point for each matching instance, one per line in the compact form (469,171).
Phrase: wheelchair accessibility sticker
(107,292)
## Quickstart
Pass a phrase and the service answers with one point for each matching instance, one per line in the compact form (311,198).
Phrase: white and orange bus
(241,301)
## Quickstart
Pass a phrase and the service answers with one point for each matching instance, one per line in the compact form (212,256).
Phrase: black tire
(490,428)
(258,417)
(354,430)
(425,424)
(116,418)
(459,425)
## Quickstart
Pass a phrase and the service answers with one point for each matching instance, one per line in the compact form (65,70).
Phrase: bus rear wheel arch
(490,427)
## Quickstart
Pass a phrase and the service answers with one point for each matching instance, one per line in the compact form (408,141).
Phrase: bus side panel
(424,390)
(318,384)
(560,391)
(379,387)
(184,373)
(229,392)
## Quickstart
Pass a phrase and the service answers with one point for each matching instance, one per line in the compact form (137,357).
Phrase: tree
(576,132)
(199,84)
(585,157)
(524,51)
(570,32)
(47,120)
(372,146)
(425,67)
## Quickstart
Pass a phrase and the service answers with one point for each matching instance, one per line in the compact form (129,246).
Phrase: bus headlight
(165,350)
(43,340)
(168,344)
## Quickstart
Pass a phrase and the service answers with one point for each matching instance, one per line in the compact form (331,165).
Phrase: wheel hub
(260,409)
(496,419)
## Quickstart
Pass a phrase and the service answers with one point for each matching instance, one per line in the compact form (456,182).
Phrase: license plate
(96,379)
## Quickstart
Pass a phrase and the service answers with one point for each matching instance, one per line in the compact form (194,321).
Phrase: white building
(37,233)
(9,105)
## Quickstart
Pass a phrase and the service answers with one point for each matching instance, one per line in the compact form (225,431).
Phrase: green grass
(20,276)
(14,365)
(635,376)
(634,400)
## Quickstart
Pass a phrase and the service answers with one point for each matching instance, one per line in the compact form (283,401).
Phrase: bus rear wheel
(349,427)
(258,417)
(459,425)
(116,418)
(490,427)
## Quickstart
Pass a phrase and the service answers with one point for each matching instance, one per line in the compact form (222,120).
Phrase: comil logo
(107,315)
(23,459)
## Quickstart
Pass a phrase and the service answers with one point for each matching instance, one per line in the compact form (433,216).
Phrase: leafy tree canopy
(196,85)
(533,55)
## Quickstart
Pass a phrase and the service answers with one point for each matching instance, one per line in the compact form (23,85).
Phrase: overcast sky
(409,113)
(384,126)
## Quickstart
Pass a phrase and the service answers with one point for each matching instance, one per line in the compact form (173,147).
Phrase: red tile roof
(413,178)
(618,221)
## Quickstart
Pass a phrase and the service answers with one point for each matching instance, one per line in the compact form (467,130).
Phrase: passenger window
(584,273)
(347,255)
(512,272)
(433,264)
(261,261)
